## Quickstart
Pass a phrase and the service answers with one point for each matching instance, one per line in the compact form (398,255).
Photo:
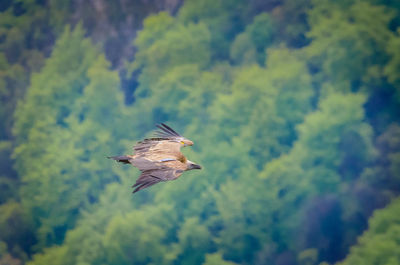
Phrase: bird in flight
(159,158)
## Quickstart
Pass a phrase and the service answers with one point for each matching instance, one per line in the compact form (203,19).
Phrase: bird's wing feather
(159,145)
(144,164)
(167,140)
(167,132)
(159,158)
(151,177)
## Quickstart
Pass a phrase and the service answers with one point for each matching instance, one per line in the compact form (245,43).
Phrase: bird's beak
(195,166)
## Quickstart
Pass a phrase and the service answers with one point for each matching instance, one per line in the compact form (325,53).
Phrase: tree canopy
(293,107)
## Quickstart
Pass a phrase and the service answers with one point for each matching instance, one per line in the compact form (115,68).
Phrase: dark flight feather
(145,185)
(167,131)
(122,159)
(159,158)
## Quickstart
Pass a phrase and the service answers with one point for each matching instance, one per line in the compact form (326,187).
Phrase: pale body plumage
(159,159)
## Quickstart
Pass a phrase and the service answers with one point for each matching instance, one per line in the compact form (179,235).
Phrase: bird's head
(191,165)
(185,142)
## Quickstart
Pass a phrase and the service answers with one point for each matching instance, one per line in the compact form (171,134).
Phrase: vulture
(159,158)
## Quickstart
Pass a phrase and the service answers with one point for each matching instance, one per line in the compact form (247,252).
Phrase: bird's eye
(182,142)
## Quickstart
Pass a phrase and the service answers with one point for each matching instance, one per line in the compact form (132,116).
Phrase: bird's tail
(122,159)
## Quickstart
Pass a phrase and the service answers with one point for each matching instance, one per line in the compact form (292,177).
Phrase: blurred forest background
(293,105)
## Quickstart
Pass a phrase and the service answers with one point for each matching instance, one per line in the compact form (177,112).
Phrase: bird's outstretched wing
(167,132)
(167,141)
(159,158)
(154,172)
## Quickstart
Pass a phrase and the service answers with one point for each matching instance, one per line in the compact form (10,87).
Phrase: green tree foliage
(216,259)
(280,100)
(344,29)
(384,175)
(391,70)
(291,22)
(22,49)
(308,171)
(195,240)
(380,243)
(16,231)
(132,239)
(222,17)
(65,97)
(250,45)
(28,30)
(175,45)
(116,231)
(337,36)
(292,107)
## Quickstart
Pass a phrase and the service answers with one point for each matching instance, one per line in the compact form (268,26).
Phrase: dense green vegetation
(294,108)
